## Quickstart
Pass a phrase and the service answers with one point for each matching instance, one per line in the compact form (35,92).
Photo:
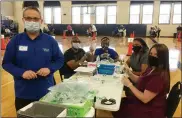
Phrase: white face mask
(32,27)
(76,45)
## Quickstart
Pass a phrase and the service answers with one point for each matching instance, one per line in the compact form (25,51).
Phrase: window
(147,14)
(52,15)
(134,14)
(177,13)
(86,15)
(111,15)
(52,12)
(57,15)
(47,15)
(164,16)
(76,15)
(100,15)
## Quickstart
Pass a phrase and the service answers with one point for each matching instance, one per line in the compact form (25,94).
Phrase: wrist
(130,85)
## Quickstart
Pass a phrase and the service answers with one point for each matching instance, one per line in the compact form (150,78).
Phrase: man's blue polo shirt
(24,54)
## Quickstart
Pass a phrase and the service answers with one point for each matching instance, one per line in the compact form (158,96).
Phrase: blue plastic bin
(106,69)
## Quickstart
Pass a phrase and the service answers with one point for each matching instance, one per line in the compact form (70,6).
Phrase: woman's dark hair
(143,43)
(163,57)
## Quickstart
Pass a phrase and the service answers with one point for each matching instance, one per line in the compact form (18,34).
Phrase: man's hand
(29,75)
(43,72)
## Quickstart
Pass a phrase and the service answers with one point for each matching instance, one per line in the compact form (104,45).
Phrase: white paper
(85,69)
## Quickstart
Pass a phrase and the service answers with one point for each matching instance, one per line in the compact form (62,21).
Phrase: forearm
(133,77)
(138,94)
(75,64)
(13,70)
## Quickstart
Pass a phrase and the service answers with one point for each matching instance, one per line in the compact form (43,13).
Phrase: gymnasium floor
(120,45)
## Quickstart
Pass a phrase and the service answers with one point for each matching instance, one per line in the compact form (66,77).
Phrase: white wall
(18,11)
(66,9)
(123,10)
(7,9)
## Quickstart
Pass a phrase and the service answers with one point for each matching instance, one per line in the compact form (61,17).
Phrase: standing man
(32,57)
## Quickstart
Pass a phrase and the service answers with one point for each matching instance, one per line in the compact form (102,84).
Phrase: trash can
(40,109)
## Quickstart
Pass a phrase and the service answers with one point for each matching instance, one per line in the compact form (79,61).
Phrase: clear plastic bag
(70,92)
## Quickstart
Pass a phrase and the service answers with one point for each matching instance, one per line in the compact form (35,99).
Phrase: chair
(173,99)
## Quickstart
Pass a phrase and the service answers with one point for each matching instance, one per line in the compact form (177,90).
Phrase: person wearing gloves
(149,99)
(90,53)
(138,60)
(105,53)
(32,57)
(74,57)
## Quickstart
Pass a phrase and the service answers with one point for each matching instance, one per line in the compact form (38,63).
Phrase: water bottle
(97,63)
(97,59)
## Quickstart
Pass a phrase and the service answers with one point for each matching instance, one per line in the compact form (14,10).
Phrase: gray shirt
(136,60)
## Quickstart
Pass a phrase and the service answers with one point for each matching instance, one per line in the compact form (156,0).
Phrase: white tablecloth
(111,88)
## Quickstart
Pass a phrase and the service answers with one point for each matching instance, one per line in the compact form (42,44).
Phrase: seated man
(8,33)
(153,32)
(74,57)
(46,29)
(89,31)
(122,30)
(105,53)
(115,32)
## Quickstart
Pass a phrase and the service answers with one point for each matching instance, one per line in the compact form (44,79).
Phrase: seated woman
(106,53)
(69,31)
(149,100)
(138,60)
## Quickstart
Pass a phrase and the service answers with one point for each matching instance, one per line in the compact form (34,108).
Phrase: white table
(111,88)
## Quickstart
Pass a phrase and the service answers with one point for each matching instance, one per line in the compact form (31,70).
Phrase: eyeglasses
(31,19)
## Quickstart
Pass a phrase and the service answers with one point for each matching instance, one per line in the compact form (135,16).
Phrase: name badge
(23,48)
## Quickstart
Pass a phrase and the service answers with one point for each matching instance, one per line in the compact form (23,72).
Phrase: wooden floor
(120,45)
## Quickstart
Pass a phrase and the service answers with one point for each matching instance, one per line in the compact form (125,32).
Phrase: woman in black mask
(149,99)
(138,60)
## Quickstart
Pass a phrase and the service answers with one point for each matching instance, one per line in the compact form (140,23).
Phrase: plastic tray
(40,109)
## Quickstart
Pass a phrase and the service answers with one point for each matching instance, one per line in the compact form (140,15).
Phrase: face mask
(136,49)
(105,45)
(76,45)
(32,26)
(153,61)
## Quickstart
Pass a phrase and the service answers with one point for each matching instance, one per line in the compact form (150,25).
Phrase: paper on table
(85,69)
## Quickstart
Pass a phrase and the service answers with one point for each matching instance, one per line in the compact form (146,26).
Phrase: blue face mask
(32,27)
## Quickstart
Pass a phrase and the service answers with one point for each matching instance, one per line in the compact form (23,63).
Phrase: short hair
(105,39)
(75,38)
(32,8)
